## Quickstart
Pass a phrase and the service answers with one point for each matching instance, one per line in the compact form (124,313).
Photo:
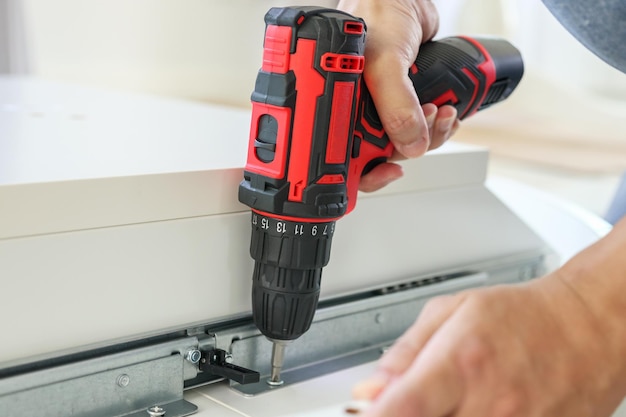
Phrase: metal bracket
(120,384)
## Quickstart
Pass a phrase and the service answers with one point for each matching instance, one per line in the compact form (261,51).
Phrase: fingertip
(380,176)
(416,142)
(447,112)
(407,128)
(371,388)
(444,126)
(413,149)
(430,111)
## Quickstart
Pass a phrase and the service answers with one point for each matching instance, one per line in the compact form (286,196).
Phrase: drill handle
(468,73)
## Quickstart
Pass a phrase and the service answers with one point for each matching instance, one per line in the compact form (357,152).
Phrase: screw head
(193,356)
(156,411)
(123,380)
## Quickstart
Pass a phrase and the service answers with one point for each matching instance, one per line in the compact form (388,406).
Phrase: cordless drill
(315,131)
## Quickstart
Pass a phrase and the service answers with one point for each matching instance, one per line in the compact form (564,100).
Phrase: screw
(379,318)
(123,380)
(156,411)
(193,356)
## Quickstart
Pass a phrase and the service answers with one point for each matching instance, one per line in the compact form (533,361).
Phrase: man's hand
(540,349)
(527,350)
(395,31)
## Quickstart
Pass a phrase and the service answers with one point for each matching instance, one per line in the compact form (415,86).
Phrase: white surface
(193,51)
(199,268)
(61,132)
(315,397)
(562,225)
(593,192)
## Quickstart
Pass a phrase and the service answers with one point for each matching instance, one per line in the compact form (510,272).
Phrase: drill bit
(278,355)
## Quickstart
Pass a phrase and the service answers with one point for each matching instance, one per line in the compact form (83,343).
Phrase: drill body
(315,131)
(299,156)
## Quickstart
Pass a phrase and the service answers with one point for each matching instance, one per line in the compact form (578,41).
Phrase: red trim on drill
(276,49)
(310,86)
(332,62)
(413,69)
(339,126)
(447,97)
(487,67)
(331,179)
(476,84)
(297,219)
(276,167)
(353,28)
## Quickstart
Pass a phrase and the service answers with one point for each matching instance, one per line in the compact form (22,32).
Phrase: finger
(443,126)
(439,133)
(397,103)
(431,387)
(431,113)
(400,356)
(429,19)
(380,176)
(404,351)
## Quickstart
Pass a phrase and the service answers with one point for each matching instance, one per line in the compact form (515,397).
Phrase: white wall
(211,49)
(197,49)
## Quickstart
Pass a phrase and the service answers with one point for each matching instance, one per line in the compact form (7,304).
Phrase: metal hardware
(178,408)
(156,411)
(123,380)
(193,356)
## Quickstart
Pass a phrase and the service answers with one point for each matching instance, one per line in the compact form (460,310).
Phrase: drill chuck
(289,257)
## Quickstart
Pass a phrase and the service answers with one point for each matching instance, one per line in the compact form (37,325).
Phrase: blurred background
(561,131)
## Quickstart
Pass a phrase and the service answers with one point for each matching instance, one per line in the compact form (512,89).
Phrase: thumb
(397,104)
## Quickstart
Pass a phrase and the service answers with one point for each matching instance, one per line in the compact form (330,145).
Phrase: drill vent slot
(353,28)
(342,63)
(423,282)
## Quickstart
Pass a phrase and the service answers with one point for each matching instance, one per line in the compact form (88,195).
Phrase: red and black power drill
(315,131)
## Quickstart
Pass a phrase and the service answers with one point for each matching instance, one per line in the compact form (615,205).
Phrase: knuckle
(477,356)
(428,18)
(402,122)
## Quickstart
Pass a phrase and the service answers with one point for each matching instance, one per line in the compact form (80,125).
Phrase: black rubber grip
(289,257)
